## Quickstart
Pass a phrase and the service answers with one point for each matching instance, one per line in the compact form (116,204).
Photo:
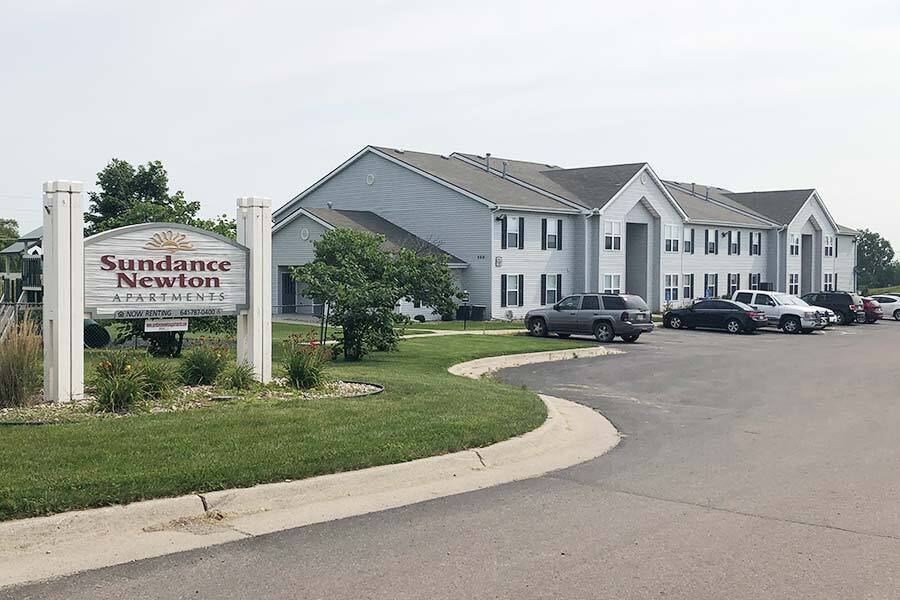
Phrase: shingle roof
(716,194)
(394,237)
(24,242)
(532,173)
(595,186)
(699,209)
(844,230)
(488,186)
(780,206)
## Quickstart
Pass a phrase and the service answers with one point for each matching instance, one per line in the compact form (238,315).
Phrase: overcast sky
(263,98)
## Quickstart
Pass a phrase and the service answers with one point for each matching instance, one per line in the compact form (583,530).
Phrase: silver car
(604,316)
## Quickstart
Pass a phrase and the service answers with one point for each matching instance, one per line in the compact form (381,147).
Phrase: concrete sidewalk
(67,543)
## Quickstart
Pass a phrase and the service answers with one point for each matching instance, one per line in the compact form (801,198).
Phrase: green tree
(129,196)
(362,284)
(875,258)
(9,232)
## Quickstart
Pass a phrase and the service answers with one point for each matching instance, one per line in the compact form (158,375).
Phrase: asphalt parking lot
(753,466)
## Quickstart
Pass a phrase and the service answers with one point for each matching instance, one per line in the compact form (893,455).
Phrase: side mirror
(556,307)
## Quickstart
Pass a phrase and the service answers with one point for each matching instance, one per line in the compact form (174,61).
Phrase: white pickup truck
(784,311)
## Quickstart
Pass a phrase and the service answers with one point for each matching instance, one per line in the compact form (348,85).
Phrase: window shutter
(521,287)
(716,233)
(739,243)
(559,234)
(728,284)
(730,239)
(692,240)
(739,279)
(543,289)
(706,241)
(559,286)
(835,282)
(503,290)
(705,284)
(716,284)
(521,233)
(503,234)
(836,245)
(543,234)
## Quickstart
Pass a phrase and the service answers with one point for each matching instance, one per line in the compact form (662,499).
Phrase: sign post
(63,316)
(254,332)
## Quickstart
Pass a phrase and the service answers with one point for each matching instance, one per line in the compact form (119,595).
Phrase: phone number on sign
(179,312)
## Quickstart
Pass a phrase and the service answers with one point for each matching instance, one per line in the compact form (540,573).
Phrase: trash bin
(477,313)
(463,312)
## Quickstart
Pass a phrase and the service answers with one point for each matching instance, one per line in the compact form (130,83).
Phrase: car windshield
(789,300)
(857,299)
(635,303)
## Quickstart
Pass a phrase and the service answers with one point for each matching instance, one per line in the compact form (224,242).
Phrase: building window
(671,293)
(734,242)
(755,243)
(734,283)
(551,284)
(612,284)
(754,281)
(689,240)
(829,282)
(794,283)
(511,290)
(688,280)
(551,232)
(712,241)
(612,234)
(711,286)
(512,232)
(829,245)
(795,245)
(672,238)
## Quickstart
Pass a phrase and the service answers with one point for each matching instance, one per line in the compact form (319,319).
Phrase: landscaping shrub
(119,392)
(239,377)
(305,361)
(158,378)
(20,364)
(114,362)
(202,364)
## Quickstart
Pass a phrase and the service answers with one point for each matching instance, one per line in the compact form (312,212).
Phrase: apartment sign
(164,271)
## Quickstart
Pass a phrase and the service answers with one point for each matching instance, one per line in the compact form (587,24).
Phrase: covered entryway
(806,264)
(636,259)
(288,287)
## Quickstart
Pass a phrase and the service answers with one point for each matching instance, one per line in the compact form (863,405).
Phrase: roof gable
(779,205)
(595,186)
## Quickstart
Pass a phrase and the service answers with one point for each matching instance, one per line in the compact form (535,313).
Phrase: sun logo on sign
(168,241)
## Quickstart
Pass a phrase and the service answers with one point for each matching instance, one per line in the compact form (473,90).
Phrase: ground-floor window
(734,283)
(672,291)
(710,285)
(551,284)
(612,284)
(754,281)
(829,282)
(688,280)
(511,290)
(794,283)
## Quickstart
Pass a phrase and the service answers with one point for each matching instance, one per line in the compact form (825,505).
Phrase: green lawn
(424,411)
(471,325)
(887,290)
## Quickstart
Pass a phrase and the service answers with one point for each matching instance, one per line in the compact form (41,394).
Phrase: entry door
(288,293)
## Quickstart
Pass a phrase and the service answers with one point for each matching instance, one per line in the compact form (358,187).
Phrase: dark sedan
(734,317)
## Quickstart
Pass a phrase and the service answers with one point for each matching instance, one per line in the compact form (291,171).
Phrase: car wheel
(631,338)
(537,328)
(897,315)
(791,325)
(564,336)
(840,318)
(734,326)
(603,332)
(676,323)
(861,318)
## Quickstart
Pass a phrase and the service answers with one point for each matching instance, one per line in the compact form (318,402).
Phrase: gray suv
(604,316)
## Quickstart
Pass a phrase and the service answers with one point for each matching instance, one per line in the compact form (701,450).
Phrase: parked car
(734,317)
(784,311)
(890,305)
(847,306)
(873,310)
(604,316)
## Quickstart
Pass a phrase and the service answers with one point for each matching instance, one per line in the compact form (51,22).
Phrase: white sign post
(254,332)
(63,317)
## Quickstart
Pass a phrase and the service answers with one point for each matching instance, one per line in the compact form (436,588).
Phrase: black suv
(847,306)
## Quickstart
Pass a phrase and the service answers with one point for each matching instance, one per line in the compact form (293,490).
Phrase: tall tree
(363,283)
(875,257)
(9,232)
(129,196)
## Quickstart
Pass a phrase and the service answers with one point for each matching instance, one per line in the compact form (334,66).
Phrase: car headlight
(809,315)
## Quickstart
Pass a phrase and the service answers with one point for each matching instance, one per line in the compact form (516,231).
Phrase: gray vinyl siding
(845,263)
(660,212)
(458,224)
(532,261)
(699,263)
(290,250)
(810,220)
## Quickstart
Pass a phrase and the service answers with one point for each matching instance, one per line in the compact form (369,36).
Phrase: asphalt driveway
(763,466)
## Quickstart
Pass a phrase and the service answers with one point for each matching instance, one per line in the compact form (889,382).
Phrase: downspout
(778,257)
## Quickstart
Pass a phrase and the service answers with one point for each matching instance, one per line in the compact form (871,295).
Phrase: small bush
(305,361)
(202,364)
(239,377)
(158,378)
(20,364)
(114,362)
(119,392)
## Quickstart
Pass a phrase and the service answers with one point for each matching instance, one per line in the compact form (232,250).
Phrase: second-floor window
(829,245)
(672,237)
(612,235)
(513,232)
(551,230)
(795,245)
(734,242)
(755,243)
(689,240)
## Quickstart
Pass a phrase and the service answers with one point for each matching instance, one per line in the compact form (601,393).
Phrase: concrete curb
(54,546)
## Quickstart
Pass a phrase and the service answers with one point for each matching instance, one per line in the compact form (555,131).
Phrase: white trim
(674,284)
(305,213)
(613,235)
(727,224)
(614,290)
(668,196)
(538,209)
(677,246)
